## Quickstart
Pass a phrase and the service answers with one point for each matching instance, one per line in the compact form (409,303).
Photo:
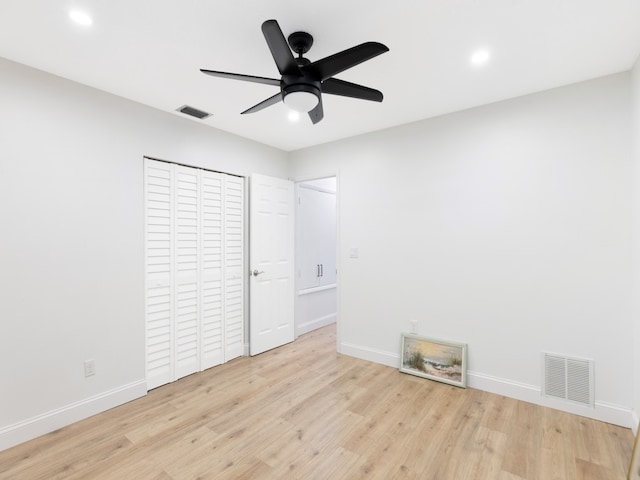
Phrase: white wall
(635,81)
(71,249)
(506,226)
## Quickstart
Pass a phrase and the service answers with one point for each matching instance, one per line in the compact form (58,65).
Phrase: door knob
(256,273)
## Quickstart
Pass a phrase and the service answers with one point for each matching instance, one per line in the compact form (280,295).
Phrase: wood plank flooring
(304,412)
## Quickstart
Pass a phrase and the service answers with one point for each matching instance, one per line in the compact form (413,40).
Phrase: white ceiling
(151,51)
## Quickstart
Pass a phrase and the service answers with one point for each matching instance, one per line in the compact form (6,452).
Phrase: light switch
(353,253)
(413,326)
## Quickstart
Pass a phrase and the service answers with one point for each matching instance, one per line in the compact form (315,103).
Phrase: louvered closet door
(211,267)
(186,312)
(234,267)
(194,268)
(159,268)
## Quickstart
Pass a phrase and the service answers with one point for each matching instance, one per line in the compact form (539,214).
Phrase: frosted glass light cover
(301,101)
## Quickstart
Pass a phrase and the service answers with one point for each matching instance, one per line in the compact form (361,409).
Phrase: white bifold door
(194,270)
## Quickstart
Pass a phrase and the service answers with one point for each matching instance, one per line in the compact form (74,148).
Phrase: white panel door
(159,272)
(271,263)
(186,312)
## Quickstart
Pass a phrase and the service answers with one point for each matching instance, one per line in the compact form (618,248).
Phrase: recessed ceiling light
(80,18)
(293,116)
(480,57)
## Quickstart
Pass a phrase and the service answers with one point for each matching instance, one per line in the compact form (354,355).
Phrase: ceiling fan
(303,82)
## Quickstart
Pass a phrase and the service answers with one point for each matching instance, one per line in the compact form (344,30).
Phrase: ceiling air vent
(569,378)
(194,112)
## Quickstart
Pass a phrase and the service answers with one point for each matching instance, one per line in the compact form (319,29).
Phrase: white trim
(338,263)
(316,289)
(60,417)
(371,354)
(309,183)
(316,188)
(316,323)
(603,411)
(635,421)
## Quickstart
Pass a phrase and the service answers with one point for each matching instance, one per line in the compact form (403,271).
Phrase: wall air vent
(194,112)
(569,378)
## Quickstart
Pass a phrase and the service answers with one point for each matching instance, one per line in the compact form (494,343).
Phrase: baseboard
(602,411)
(635,421)
(371,354)
(48,422)
(316,323)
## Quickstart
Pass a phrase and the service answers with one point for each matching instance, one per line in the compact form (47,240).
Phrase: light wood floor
(304,412)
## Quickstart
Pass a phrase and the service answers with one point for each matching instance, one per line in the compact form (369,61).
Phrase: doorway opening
(316,303)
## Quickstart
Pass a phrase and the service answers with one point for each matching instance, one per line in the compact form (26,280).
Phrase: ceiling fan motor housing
(297,90)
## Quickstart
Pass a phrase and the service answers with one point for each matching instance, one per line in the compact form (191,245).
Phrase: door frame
(336,175)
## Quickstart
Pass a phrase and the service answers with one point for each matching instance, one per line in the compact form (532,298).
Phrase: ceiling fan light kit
(303,82)
(301,98)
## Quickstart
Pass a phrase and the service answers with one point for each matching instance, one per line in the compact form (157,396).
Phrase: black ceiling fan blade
(280,50)
(247,78)
(334,86)
(341,61)
(317,113)
(264,104)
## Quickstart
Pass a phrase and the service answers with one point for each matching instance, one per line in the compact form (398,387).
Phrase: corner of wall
(635,106)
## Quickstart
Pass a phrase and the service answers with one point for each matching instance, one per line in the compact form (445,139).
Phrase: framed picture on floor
(434,359)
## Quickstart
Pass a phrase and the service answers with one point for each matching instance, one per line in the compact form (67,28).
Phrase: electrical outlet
(413,326)
(89,368)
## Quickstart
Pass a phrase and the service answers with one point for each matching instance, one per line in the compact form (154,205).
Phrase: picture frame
(634,466)
(434,359)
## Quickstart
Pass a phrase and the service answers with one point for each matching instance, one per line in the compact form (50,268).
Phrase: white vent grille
(568,378)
